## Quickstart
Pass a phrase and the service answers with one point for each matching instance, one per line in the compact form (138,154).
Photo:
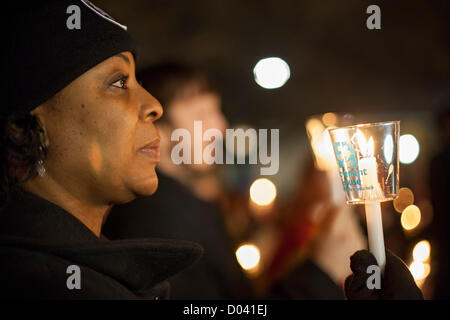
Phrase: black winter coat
(174,212)
(39,241)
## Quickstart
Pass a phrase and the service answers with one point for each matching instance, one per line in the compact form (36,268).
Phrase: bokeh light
(263,192)
(329,119)
(248,256)
(419,270)
(408,149)
(405,198)
(271,73)
(421,251)
(410,217)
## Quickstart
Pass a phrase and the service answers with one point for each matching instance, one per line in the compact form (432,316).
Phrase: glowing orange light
(421,251)
(419,270)
(410,217)
(405,198)
(95,157)
(329,119)
(263,192)
(248,256)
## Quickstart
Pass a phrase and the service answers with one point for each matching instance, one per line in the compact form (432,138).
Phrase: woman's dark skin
(96,128)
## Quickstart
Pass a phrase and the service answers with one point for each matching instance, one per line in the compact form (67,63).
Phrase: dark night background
(336,63)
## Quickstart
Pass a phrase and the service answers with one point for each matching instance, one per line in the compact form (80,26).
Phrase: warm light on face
(95,157)
(408,149)
(421,251)
(248,256)
(271,73)
(410,217)
(263,192)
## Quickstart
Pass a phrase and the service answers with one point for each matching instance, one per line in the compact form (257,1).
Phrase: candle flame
(362,143)
(370,147)
(365,147)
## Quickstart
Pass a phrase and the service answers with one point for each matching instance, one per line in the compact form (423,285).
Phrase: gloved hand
(397,283)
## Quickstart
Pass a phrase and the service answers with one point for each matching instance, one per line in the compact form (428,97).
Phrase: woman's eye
(121,83)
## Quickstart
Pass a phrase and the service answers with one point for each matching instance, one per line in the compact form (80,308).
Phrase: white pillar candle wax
(370,186)
(375,232)
(372,192)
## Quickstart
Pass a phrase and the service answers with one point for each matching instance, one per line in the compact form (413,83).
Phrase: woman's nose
(151,109)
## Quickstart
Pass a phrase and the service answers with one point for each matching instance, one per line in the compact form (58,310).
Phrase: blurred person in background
(440,226)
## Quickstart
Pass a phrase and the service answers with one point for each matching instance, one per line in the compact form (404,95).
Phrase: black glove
(397,283)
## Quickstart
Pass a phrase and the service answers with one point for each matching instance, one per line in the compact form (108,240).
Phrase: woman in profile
(78,136)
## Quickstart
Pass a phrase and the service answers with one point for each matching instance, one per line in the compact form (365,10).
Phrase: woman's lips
(151,150)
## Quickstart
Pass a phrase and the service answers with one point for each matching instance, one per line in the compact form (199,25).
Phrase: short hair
(22,146)
(171,81)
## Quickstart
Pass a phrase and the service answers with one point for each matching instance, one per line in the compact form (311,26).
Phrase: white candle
(375,232)
(368,175)
(371,190)
(371,193)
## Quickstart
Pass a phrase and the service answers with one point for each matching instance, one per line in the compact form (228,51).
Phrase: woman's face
(103,144)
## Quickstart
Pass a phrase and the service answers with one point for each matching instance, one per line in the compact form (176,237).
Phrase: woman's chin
(149,187)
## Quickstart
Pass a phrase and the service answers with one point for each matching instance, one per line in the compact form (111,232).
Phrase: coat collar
(34,223)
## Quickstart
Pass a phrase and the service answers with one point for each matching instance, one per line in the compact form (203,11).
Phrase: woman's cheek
(120,143)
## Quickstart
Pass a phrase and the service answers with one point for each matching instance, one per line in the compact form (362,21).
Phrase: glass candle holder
(367,157)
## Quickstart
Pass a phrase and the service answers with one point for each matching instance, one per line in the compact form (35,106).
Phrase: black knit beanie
(51,43)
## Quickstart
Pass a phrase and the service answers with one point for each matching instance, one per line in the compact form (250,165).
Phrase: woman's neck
(88,213)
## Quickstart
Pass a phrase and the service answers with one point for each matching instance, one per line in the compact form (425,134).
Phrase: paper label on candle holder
(345,155)
(352,177)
